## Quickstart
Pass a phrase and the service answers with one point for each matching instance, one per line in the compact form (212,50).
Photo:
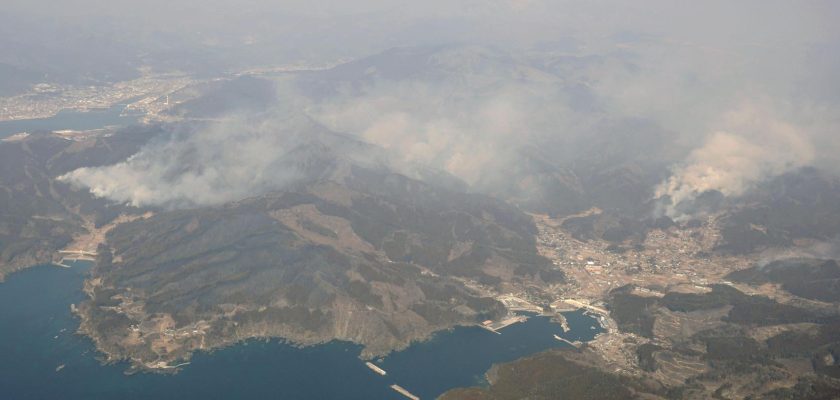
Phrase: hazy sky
(712,22)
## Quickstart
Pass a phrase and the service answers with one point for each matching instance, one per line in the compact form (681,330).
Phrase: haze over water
(68,119)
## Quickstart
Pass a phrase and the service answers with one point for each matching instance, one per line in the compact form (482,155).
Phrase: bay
(37,335)
(70,119)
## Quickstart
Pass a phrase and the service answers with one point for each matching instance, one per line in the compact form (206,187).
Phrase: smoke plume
(212,164)
(566,83)
(752,146)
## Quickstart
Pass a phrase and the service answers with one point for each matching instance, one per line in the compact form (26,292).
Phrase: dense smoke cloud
(222,162)
(471,132)
(726,107)
(751,146)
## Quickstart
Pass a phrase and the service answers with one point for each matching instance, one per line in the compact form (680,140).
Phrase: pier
(404,392)
(495,326)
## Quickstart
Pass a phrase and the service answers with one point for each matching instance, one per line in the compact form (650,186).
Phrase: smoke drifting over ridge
(737,105)
(752,147)
(445,127)
(222,162)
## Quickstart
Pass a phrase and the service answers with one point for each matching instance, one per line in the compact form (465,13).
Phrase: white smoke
(472,133)
(470,111)
(751,146)
(819,249)
(218,163)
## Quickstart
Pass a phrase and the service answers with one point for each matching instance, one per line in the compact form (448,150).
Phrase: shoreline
(158,366)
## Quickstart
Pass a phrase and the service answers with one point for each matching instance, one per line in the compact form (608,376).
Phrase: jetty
(563,322)
(401,390)
(376,369)
(575,343)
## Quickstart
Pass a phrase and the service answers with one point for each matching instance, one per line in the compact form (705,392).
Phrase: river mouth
(45,358)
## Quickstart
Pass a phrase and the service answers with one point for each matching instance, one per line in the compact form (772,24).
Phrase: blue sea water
(37,334)
(69,119)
